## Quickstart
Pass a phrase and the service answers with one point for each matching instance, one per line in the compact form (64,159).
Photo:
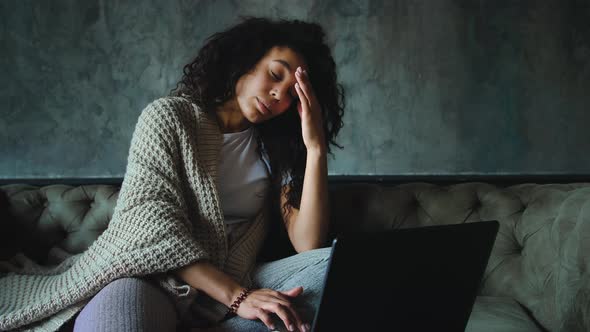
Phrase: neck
(230,118)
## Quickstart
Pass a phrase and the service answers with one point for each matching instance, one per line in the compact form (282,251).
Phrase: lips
(263,107)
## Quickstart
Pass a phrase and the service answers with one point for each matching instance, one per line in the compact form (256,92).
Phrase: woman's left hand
(310,111)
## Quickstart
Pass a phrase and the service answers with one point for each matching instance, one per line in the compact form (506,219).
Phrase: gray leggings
(133,304)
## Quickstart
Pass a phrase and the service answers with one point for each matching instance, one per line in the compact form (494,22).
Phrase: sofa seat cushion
(499,314)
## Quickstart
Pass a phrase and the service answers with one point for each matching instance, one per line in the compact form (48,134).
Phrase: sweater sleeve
(151,196)
(150,231)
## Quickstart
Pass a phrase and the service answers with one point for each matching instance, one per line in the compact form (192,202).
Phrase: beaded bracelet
(234,306)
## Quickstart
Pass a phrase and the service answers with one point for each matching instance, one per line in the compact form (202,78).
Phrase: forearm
(258,304)
(207,278)
(310,229)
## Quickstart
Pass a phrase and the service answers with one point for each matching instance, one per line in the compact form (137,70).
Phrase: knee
(122,283)
(315,271)
(140,293)
(133,302)
(319,264)
(135,288)
(318,256)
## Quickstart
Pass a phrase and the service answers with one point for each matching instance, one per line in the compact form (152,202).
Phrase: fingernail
(303,328)
(291,327)
(297,85)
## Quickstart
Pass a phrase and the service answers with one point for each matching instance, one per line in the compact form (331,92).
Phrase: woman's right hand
(262,303)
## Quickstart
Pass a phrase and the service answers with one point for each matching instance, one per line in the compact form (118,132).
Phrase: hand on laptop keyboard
(262,303)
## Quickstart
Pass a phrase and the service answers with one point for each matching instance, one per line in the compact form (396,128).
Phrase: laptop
(418,279)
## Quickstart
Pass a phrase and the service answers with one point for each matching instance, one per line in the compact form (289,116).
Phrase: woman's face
(269,90)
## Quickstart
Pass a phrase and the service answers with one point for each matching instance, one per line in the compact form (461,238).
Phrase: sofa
(537,277)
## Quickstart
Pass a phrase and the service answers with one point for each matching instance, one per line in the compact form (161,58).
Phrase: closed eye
(278,79)
(275,76)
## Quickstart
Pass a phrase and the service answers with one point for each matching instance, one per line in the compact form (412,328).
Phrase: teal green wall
(433,87)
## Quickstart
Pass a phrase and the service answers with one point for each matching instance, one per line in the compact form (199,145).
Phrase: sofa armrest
(577,316)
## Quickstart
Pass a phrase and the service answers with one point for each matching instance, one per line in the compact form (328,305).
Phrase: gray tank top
(243,178)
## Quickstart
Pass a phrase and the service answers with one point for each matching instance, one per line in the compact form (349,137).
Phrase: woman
(270,89)
(246,133)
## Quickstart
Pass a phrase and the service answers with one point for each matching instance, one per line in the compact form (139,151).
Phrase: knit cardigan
(167,216)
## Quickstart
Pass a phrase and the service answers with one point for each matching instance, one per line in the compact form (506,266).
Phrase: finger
(303,102)
(304,84)
(293,292)
(296,317)
(283,301)
(285,313)
(301,94)
(265,318)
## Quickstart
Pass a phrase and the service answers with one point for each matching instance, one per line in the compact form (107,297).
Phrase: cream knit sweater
(167,216)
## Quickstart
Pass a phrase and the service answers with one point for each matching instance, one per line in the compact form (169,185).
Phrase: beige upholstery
(495,314)
(67,217)
(540,258)
(539,265)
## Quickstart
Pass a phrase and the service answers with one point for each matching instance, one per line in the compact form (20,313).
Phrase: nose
(280,93)
(277,94)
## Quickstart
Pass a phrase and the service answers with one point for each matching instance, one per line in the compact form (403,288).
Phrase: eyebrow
(284,63)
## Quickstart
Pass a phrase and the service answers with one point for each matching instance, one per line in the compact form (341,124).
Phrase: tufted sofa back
(541,256)
(59,216)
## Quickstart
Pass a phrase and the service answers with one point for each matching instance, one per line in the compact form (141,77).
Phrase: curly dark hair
(210,80)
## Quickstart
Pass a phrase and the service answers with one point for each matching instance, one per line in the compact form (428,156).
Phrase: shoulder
(170,111)
(170,106)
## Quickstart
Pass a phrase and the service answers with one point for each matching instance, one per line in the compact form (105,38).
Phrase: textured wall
(433,87)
